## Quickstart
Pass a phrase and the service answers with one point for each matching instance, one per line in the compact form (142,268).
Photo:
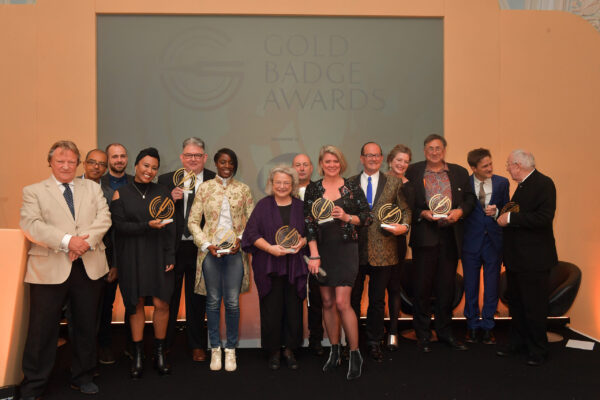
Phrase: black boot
(160,359)
(137,360)
(354,365)
(334,358)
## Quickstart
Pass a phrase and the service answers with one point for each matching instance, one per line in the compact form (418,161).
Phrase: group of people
(318,237)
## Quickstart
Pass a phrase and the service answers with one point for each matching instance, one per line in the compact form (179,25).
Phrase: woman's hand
(213,250)
(301,244)
(339,213)
(236,246)
(156,224)
(169,267)
(277,250)
(313,265)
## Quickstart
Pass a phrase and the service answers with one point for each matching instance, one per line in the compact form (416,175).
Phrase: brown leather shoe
(198,355)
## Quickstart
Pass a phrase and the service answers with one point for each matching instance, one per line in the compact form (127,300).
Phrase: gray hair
(65,145)
(195,141)
(284,169)
(523,158)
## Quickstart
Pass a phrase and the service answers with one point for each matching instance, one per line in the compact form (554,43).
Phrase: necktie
(369,192)
(481,195)
(69,198)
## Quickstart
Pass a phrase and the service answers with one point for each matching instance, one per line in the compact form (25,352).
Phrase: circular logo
(225,238)
(322,208)
(161,207)
(511,206)
(287,237)
(440,204)
(181,176)
(389,214)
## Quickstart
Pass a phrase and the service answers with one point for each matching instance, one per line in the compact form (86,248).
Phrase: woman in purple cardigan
(280,273)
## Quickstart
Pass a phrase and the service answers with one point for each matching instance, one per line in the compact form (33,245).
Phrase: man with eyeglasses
(436,241)
(377,246)
(116,177)
(193,157)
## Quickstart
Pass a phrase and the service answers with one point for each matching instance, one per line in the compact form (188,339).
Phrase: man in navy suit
(193,157)
(482,245)
(529,254)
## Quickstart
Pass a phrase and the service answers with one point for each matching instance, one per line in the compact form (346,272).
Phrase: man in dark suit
(193,157)
(113,180)
(65,219)
(482,245)
(437,241)
(377,246)
(529,254)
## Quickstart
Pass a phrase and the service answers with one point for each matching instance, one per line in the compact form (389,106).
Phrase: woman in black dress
(145,249)
(334,247)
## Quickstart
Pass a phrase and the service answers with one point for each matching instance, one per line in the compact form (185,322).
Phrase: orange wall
(513,79)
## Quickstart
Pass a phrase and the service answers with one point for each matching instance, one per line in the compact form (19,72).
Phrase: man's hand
(112,275)
(177,193)
(428,215)
(503,219)
(490,210)
(454,216)
(78,245)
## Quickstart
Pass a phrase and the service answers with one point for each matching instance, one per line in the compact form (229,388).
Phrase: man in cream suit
(65,218)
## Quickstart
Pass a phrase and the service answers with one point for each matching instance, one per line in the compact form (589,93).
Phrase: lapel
(78,197)
(495,189)
(380,187)
(55,193)
(476,191)
(190,201)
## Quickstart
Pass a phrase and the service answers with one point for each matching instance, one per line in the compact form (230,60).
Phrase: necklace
(139,191)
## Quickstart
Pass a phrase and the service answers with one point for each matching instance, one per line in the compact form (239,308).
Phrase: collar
(528,175)
(223,181)
(374,176)
(71,184)
(444,168)
(477,181)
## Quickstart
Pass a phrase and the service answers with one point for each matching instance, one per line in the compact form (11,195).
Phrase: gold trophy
(440,206)
(181,177)
(225,240)
(389,214)
(162,208)
(511,206)
(287,237)
(321,210)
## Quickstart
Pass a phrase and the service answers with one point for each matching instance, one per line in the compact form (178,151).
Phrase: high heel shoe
(334,358)
(137,360)
(160,359)
(354,365)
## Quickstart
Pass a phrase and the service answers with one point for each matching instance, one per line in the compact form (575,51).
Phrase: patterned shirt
(437,183)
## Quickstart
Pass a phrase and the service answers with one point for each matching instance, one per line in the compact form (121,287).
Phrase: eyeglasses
(282,183)
(371,155)
(95,163)
(436,149)
(196,156)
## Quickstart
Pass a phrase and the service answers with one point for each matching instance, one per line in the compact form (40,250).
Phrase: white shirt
(528,175)
(186,185)
(487,188)
(364,180)
(64,243)
(301,192)
(225,223)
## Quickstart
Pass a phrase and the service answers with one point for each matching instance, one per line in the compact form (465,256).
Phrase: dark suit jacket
(529,238)
(477,224)
(180,221)
(108,239)
(376,246)
(424,232)
(104,181)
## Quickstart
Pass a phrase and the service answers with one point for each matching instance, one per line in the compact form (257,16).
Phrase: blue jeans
(223,278)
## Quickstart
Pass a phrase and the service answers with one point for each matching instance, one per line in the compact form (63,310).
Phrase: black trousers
(435,272)
(195,304)
(281,316)
(379,278)
(315,311)
(528,305)
(109,292)
(46,303)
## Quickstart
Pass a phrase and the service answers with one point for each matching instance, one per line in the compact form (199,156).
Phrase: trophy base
(387,226)
(322,221)
(440,216)
(187,191)
(290,251)
(223,251)
(166,221)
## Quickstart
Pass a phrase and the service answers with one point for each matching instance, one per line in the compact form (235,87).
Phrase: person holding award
(274,235)
(377,243)
(222,270)
(145,248)
(443,197)
(398,161)
(333,208)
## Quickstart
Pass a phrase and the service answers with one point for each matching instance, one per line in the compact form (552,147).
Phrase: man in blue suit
(482,245)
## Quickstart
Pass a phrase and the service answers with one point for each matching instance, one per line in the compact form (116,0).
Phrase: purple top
(264,221)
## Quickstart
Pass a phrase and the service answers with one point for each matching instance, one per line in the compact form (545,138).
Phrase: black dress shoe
(290,359)
(535,361)
(454,344)
(424,345)
(375,353)
(274,361)
(86,388)
(488,337)
(471,336)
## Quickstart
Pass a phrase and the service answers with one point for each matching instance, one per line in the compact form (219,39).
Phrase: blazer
(207,203)
(477,224)
(45,219)
(180,220)
(377,246)
(424,232)
(529,237)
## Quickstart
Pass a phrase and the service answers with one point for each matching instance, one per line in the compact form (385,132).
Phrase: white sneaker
(215,359)
(230,364)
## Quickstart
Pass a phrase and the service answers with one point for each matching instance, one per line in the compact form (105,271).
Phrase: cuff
(64,243)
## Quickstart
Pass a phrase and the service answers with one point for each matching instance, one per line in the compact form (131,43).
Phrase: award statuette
(162,208)
(389,214)
(181,176)
(321,210)
(511,206)
(225,241)
(287,237)
(440,206)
